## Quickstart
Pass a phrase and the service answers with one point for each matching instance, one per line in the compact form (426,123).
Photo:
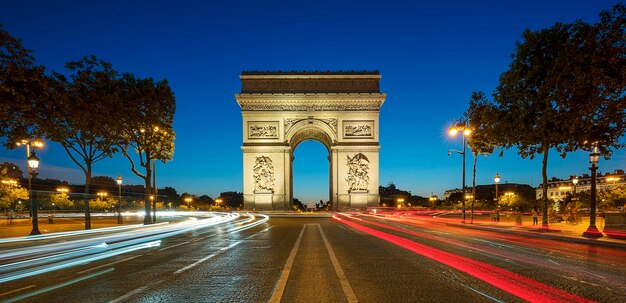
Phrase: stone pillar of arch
(280,110)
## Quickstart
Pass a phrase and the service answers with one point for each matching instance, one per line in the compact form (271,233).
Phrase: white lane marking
(107,265)
(134,292)
(481,293)
(223,249)
(554,262)
(175,245)
(128,295)
(16,290)
(277,295)
(343,280)
(57,286)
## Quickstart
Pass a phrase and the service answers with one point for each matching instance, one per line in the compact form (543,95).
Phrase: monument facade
(283,109)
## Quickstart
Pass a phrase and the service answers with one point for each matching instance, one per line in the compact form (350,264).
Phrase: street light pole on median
(465,131)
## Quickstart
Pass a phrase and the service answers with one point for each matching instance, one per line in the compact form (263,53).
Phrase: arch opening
(311,174)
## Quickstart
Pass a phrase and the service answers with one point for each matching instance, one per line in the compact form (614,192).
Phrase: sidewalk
(556,231)
(22,226)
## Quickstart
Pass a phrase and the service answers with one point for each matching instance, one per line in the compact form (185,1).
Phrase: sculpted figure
(358,167)
(263,174)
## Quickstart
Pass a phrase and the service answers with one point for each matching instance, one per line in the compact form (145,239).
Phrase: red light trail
(515,284)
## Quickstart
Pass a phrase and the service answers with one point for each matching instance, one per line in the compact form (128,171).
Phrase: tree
(592,86)
(613,198)
(9,195)
(104,181)
(171,194)
(146,128)
(10,170)
(81,118)
(108,203)
(61,201)
(22,86)
(530,118)
(564,90)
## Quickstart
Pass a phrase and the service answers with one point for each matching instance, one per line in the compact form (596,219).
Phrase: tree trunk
(147,219)
(86,195)
(544,178)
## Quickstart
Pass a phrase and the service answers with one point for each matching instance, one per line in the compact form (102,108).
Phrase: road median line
(277,295)
(343,280)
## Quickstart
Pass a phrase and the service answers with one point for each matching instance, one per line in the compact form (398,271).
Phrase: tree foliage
(9,195)
(10,170)
(147,132)
(564,90)
(60,201)
(22,88)
(81,116)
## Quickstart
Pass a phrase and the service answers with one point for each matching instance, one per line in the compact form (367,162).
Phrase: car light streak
(573,250)
(57,286)
(515,284)
(30,261)
(74,262)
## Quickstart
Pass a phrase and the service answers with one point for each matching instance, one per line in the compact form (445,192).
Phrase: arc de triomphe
(282,109)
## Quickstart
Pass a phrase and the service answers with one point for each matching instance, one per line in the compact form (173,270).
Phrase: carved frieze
(262,129)
(358,129)
(331,122)
(311,84)
(263,174)
(358,173)
(330,106)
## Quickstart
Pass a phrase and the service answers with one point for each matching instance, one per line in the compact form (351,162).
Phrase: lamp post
(465,131)
(188,200)
(33,164)
(496,216)
(400,202)
(592,231)
(119,196)
(29,143)
(218,201)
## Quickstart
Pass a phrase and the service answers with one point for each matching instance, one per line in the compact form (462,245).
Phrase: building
(558,189)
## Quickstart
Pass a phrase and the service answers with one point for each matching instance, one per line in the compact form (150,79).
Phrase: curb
(581,240)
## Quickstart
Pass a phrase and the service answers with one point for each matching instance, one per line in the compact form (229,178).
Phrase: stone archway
(283,109)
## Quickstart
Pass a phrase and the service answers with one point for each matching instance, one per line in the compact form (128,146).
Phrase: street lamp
(592,231)
(188,200)
(465,131)
(33,164)
(218,201)
(400,202)
(119,196)
(496,216)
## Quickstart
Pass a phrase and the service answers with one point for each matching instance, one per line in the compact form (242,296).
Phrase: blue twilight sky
(431,54)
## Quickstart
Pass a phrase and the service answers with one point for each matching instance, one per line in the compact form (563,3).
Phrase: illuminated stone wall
(281,110)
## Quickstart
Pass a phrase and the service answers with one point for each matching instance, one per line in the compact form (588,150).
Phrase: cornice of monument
(311,102)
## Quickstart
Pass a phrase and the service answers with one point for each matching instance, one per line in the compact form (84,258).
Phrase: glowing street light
(592,231)
(188,200)
(496,216)
(400,202)
(119,202)
(33,164)
(466,131)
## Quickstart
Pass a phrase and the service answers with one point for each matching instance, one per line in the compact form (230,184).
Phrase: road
(348,258)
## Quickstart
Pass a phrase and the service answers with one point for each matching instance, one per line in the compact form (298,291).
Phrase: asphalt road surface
(344,259)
